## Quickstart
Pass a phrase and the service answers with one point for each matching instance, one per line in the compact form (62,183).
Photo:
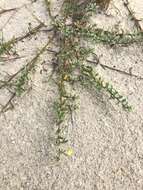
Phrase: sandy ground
(107,141)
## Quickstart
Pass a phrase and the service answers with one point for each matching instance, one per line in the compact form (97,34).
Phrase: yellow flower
(65,77)
(69,152)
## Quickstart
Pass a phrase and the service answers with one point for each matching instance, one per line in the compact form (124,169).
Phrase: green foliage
(78,10)
(5,47)
(97,35)
(21,82)
(72,57)
(71,30)
(89,78)
(110,38)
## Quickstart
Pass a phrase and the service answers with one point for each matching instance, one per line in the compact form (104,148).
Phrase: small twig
(28,34)
(52,51)
(114,69)
(5,83)
(29,66)
(2,11)
(35,17)
(7,10)
(7,46)
(48,3)
(48,30)
(9,102)
(6,59)
(31,32)
(8,20)
(131,13)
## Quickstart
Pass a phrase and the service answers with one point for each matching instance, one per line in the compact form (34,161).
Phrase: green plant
(72,65)
(18,80)
(6,47)
(70,30)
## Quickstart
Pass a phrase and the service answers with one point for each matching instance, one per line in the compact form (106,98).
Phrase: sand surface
(107,141)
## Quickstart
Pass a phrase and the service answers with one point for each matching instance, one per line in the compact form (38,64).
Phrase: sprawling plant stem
(72,29)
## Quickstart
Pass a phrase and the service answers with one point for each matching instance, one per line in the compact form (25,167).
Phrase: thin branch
(114,69)
(29,67)
(31,32)
(48,30)
(131,13)
(7,10)
(97,62)
(48,4)
(7,46)
(9,102)
(6,59)
(2,11)
(8,20)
